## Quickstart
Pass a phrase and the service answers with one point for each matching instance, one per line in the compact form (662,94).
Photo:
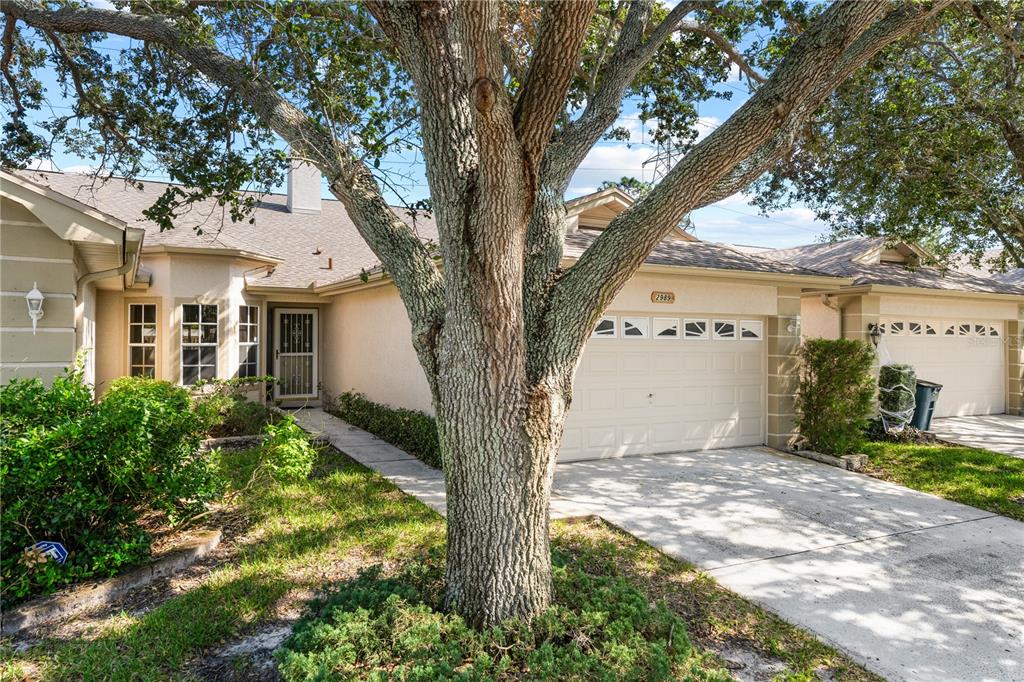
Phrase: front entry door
(295,347)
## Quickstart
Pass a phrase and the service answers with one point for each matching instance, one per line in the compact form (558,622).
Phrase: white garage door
(968,357)
(653,384)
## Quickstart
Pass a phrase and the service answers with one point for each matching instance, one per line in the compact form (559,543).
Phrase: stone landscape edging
(855,462)
(232,442)
(91,594)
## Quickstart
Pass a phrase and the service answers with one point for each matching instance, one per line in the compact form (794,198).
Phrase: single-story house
(695,352)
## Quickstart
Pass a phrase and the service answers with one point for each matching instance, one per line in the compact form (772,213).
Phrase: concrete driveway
(914,587)
(999,432)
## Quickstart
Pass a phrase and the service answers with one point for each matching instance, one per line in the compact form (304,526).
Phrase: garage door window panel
(635,327)
(666,328)
(724,329)
(606,327)
(695,329)
(751,330)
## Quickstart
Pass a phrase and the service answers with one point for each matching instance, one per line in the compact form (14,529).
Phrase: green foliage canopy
(924,144)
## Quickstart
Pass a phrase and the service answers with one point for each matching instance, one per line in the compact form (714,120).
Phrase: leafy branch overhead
(926,143)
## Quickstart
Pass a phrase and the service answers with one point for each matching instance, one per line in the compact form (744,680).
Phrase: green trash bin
(926,395)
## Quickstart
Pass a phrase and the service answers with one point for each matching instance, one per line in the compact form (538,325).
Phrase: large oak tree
(505,99)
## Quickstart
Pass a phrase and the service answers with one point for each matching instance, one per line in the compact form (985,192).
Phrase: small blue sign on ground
(54,550)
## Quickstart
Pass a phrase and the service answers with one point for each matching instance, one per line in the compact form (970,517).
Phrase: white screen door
(295,361)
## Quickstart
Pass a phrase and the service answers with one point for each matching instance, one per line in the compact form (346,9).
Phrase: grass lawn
(296,539)
(981,478)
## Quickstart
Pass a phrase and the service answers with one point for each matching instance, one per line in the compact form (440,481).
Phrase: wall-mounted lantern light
(794,326)
(875,333)
(34,299)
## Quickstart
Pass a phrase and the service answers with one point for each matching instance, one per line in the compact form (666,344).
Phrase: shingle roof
(984,269)
(838,259)
(695,255)
(276,232)
(293,237)
(1010,277)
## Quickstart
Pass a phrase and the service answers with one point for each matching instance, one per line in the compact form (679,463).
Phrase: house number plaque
(663,297)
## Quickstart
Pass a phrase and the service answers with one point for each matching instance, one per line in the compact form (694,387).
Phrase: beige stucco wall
(947,306)
(85,330)
(368,348)
(696,295)
(33,254)
(817,320)
(177,279)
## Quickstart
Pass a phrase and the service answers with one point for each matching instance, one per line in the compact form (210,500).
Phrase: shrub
(287,455)
(836,393)
(897,387)
(80,473)
(600,628)
(226,411)
(234,415)
(414,432)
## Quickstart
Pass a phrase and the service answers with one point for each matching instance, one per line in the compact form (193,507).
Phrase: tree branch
(725,46)
(842,38)
(563,28)
(632,52)
(402,253)
(5,63)
(1005,36)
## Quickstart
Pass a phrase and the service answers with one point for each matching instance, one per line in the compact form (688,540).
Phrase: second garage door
(659,384)
(968,357)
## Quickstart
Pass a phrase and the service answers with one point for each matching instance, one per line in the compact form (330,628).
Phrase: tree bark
(499,446)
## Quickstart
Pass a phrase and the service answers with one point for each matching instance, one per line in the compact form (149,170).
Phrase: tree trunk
(500,422)
(498,481)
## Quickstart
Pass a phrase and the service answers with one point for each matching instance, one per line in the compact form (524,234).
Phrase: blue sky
(732,220)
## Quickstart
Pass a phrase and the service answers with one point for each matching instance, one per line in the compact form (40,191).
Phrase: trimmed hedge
(375,628)
(836,393)
(81,473)
(414,432)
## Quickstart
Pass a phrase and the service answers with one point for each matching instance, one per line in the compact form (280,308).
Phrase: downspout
(121,270)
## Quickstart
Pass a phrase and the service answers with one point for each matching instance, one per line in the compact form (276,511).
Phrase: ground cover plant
(81,473)
(601,627)
(300,536)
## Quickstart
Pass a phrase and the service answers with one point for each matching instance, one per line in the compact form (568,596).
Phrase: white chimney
(303,187)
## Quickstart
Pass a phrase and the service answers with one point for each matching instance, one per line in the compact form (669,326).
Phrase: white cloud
(611,162)
(81,169)
(705,124)
(734,221)
(41,165)
(735,75)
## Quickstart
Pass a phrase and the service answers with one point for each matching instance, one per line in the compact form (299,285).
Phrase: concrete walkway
(998,432)
(912,586)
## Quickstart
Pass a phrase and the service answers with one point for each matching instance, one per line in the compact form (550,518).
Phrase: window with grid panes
(142,340)
(198,342)
(248,340)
